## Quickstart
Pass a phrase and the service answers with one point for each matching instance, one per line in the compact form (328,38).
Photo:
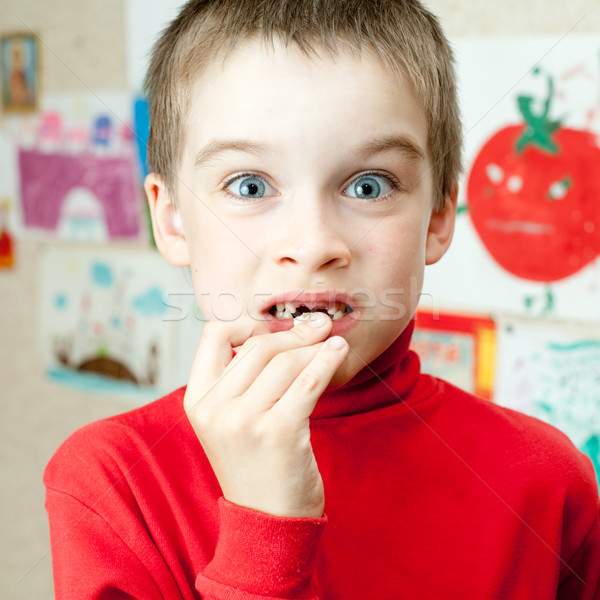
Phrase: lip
(312,299)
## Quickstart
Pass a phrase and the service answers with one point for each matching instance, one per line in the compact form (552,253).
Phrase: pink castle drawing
(46,180)
(84,192)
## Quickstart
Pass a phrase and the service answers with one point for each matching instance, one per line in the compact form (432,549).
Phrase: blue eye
(250,186)
(369,187)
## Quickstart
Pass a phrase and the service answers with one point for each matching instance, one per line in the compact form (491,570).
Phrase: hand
(251,413)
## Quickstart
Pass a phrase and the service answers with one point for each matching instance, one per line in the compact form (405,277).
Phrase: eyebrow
(216,147)
(405,143)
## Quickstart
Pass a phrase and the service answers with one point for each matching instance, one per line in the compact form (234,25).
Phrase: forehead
(278,92)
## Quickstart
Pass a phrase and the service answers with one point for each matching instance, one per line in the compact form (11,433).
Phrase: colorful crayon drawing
(78,170)
(527,237)
(551,370)
(82,197)
(534,193)
(107,323)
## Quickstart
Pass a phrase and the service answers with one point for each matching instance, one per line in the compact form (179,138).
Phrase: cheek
(397,256)
(221,275)
(398,266)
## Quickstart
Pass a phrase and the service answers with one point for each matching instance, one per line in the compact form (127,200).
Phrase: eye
(558,190)
(370,186)
(249,186)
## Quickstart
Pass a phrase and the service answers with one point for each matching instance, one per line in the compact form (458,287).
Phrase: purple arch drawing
(46,179)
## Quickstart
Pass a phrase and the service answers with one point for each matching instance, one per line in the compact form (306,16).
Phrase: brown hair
(405,36)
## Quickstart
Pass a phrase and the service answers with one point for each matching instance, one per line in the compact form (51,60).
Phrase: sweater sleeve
(260,556)
(90,560)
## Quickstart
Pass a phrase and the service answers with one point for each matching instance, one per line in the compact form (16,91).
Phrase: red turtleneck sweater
(430,493)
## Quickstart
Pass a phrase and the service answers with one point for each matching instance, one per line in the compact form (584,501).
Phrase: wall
(84,48)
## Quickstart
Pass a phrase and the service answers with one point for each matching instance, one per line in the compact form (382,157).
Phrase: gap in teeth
(289,311)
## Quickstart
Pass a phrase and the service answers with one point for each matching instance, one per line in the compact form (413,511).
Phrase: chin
(347,370)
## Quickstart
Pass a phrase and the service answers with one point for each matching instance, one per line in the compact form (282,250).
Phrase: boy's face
(306,181)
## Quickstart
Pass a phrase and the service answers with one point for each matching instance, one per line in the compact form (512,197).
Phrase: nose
(312,238)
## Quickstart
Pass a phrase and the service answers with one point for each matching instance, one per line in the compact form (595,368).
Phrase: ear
(166,222)
(441,228)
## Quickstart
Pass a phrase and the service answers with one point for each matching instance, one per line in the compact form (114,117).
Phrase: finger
(300,399)
(277,377)
(257,352)
(215,349)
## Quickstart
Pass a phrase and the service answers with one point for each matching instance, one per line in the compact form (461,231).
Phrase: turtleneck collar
(385,381)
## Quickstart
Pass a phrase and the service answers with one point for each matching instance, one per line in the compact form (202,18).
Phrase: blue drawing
(102,131)
(151,303)
(61,301)
(102,274)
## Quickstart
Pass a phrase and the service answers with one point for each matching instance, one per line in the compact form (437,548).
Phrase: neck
(383,382)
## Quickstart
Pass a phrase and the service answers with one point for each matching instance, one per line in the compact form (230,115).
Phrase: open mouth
(301,312)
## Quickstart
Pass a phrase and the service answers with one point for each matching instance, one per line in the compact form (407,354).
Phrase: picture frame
(19,62)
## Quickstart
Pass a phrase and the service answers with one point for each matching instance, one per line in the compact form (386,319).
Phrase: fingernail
(337,342)
(317,319)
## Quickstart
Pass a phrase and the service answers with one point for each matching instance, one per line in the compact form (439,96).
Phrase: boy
(305,157)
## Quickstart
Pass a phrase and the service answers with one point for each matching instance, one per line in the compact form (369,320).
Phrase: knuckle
(283,361)
(233,424)
(238,425)
(307,382)
(302,333)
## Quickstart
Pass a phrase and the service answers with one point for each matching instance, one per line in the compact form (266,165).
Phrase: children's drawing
(78,173)
(527,237)
(534,193)
(457,348)
(102,130)
(107,322)
(551,370)
(109,199)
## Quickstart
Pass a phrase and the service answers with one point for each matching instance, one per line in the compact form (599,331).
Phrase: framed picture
(20,72)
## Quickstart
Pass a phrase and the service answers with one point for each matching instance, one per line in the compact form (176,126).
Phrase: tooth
(331,311)
(301,318)
(283,314)
(280,306)
(338,315)
(290,307)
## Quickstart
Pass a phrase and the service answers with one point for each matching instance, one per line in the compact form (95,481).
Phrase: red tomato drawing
(533,195)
